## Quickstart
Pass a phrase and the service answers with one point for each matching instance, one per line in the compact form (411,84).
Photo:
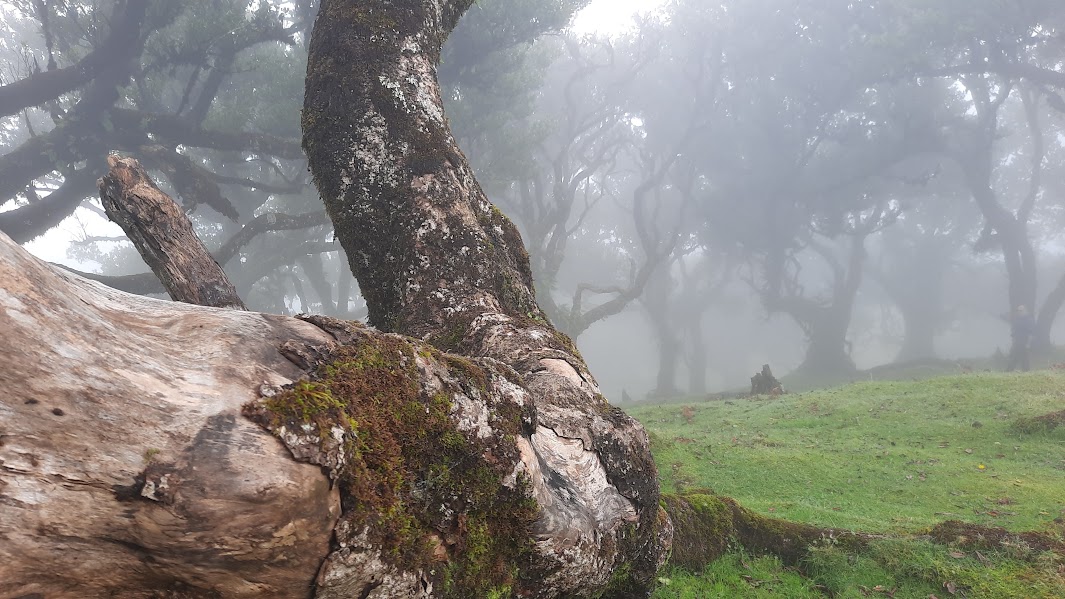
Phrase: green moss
(707,525)
(374,20)
(450,339)
(621,584)
(150,455)
(408,474)
(704,529)
(464,365)
(567,342)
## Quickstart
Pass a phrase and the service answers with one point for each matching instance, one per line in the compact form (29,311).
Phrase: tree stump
(764,383)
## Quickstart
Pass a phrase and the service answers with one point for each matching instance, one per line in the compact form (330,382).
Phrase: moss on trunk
(434,497)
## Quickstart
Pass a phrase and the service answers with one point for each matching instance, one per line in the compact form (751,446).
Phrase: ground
(890,458)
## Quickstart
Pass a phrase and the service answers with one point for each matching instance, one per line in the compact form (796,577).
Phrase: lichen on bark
(437,261)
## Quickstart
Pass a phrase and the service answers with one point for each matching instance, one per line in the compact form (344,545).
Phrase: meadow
(888,458)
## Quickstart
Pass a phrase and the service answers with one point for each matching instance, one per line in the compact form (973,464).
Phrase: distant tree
(598,153)
(207,95)
(912,264)
(1003,63)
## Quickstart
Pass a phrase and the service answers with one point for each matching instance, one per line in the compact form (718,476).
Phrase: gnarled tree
(137,433)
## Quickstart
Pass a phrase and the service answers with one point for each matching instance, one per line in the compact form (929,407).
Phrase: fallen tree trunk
(126,468)
(123,441)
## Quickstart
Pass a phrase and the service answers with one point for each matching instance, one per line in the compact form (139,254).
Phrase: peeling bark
(138,459)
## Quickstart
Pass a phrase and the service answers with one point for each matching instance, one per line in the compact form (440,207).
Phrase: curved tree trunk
(1048,313)
(660,308)
(437,261)
(920,326)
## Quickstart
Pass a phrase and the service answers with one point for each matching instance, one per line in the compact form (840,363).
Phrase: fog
(842,190)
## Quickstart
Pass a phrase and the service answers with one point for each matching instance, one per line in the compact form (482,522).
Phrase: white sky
(601,16)
(611,16)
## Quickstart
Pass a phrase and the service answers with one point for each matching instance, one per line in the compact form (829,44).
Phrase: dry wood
(126,467)
(164,237)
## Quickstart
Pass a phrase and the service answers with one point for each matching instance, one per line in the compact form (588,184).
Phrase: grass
(737,575)
(878,457)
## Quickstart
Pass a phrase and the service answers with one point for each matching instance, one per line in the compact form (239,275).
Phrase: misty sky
(612,15)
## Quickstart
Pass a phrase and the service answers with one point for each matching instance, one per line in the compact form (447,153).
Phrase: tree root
(706,526)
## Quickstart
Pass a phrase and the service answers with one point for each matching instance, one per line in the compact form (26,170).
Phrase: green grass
(878,457)
(737,575)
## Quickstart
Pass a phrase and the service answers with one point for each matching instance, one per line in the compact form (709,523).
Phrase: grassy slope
(877,457)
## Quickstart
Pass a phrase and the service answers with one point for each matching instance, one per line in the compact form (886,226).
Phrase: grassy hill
(879,457)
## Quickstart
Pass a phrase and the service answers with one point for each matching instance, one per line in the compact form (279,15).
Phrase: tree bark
(435,260)
(164,237)
(122,443)
(660,308)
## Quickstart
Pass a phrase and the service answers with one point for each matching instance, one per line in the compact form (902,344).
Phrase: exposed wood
(122,440)
(126,468)
(163,488)
(164,237)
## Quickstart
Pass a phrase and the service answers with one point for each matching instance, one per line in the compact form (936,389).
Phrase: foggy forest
(532,298)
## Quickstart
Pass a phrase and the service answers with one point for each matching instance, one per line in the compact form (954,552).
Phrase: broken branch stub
(164,237)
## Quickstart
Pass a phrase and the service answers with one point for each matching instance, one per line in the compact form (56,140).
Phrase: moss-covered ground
(893,458)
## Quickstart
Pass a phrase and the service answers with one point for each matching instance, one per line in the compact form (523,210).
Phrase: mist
(844,191)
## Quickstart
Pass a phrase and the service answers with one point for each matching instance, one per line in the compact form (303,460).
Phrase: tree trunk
(659,306)
(1012,235)
(698,358)
(164,237)
(1048,313)
(122,443)
(919,337)
(827,352)
(437,261)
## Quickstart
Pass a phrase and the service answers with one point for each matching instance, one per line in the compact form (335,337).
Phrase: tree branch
(164,237)
(44,86)
(36,218)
